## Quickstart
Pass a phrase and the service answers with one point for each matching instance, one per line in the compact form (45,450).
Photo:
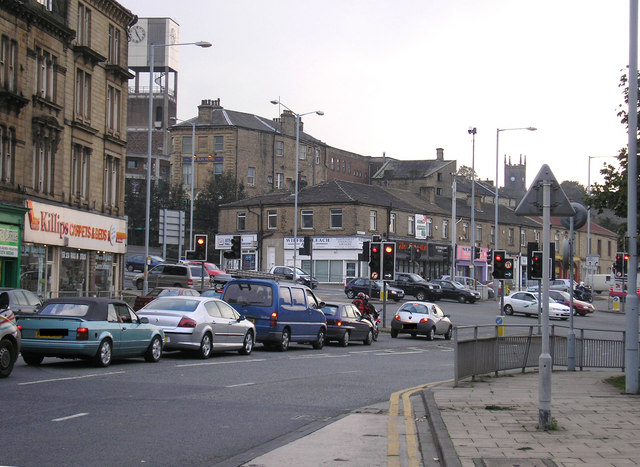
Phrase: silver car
(9,337)
(200,324)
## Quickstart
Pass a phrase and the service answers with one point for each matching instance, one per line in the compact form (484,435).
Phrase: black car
(413,284)
(345,324)
(22,301)
(453,290)
(361,284)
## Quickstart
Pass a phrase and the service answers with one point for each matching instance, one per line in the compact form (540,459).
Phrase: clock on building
(137,34)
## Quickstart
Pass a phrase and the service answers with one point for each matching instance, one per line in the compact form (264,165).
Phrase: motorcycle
(374,318)
(583,293)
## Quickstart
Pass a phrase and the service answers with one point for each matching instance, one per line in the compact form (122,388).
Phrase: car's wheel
(344,341)
(32,358)
(420,296)
(508,309)
(431,333)
(462,298)
(369,338)
(130,267)
(350,294)
(206,346)
(449,333)
(414,334)
(394,333)
(154,352)
(319,343)
(247,344)
(284,340)
(7,358)
(139,284)
(105,354)
(396,299)
(376,331)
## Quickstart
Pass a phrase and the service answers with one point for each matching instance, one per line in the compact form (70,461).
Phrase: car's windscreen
(248,294)
(77,310)
(458,285)
(172,304)
(414,308)
(415,277)
(301,272)
(211,293)
(329,310)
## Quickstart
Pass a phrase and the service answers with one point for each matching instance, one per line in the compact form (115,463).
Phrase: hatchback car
(136,262)
(579,307)
(142,300)
(9,337)
(527,304)
(453,290)
(421,318)
(289,272)
(200,324)
(99,329)
(345,324)
(361,284)
(173,275)
(22,301)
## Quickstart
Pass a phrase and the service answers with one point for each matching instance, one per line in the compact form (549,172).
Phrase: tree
(220,189)
(574,190)
(466,173)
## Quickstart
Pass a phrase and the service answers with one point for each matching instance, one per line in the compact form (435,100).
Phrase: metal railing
(487,350)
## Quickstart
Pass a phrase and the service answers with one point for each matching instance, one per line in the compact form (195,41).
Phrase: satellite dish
(578,220)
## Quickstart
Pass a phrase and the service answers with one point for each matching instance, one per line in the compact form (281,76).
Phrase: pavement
(490,421)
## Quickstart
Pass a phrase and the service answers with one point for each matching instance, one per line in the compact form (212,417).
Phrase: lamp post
(193,176)
(295,202)
(152,48)
(472,132)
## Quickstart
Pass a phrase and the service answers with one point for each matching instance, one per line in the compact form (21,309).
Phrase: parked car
(453,290)
(421,318)
(22,301)
(100,329)
(9,337)
(142,300)
(200,324)
(579,307)
(467,281)
(289,272)
(282,312)
(527,304)
(136,262)
(361,284)
(211,268)
(564,285)
(173,275)
(345,324)
(413,284)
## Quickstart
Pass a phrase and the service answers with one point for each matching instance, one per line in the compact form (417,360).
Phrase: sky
(404,77)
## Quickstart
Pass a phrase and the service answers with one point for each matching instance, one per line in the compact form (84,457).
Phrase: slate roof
(411,169)
(487,213)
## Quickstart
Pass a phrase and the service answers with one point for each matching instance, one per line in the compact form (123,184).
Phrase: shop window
(103,274)
(33,270)
(73,272)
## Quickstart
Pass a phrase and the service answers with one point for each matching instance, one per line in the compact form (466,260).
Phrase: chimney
(206,108)
(439,154)
(288,123)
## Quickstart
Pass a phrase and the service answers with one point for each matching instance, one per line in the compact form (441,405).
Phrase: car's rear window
(173,304)
(65,309)
(414,308)
(330,310)
(249,294)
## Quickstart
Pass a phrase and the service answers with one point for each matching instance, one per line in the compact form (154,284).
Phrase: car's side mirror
(322,305)
(144,320)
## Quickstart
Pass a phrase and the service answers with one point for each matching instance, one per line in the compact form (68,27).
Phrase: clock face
(137,34)
(513,179)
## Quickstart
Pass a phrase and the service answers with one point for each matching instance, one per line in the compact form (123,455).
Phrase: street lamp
(295,207)
(152,48)
(472,132)
(193,175)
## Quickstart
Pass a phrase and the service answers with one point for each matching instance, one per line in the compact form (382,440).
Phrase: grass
(618,381)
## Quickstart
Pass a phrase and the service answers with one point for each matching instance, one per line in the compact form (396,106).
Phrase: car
(467,281)
(142,300)
(202,325)
(136,262)
(453,290)
(527,303)
(301,276)
(413,284)
(173,275)
(9,337)
(345,324)
(22,301)
(365,285)
(98,329)
(421,318)
(283,312)
(211,268)
(579,307)
(564,285)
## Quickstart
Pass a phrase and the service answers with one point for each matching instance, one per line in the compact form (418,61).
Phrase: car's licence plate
(49,334)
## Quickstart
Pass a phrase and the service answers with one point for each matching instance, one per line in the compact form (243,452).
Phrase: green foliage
(220,189)
(574,191)
(466,173)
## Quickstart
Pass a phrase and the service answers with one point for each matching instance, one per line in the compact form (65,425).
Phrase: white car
(527,304)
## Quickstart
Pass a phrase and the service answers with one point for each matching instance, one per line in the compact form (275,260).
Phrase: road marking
(239,385)
(399,353)
(347,372)
(62,419)
(219,363)
(303,357)
(70,378)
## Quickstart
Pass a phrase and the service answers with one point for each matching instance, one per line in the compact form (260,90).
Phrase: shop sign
(56,225)
(421,226)
(464,254)
(247,242)
(9,240)
(327,243)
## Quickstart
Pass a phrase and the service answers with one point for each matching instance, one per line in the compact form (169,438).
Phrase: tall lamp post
(472,132)
(152,48)
(193,176)
(295,202)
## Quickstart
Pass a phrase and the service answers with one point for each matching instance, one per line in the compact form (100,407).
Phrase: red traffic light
(626,257)
(374,249)
(388,249)
(200,241)
(498,258)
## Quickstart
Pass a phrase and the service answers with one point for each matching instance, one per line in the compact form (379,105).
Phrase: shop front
(11,228)
(68,252)
(464,266)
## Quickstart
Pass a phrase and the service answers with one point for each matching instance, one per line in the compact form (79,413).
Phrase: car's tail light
(338,323)
(187,323)
(424,320)
(82,334)
(274,319)
(189,282)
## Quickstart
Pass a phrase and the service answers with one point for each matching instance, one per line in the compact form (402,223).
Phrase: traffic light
(236,248)
(535,267)
(364,256)
(618,266)
(306,246)
(498,264)
(388,261)
(200,248)
(476,252)
(374,261)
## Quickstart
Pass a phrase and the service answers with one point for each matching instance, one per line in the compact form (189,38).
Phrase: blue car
(98,329)
(136,262)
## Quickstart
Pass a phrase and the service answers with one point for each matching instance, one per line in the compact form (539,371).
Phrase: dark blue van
(282,312)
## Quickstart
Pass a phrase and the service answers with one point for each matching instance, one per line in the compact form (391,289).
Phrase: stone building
(63,78)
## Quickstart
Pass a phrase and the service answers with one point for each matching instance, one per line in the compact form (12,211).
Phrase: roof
(487,213)
(411,169)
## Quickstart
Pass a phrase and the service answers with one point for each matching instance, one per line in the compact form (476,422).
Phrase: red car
(211,268)
(579,307)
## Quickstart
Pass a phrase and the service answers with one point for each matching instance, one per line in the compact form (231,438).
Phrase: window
(333,164)
(84,25)
(445,228)
(373,220)
(45,75)
(599,247)
(411,225)
(279,148)
(186,145)
(113,110)
(523,237)
(465,231)
(336,218)
(279,180)
(511,239)
(48,4)
(536,235)
(478,233)
(392,222)
(218,168)
(218,143)
(111,168)
(114,45)
(251,176)
(306,219)
(83,95)
(344,166)
(241,221)
(8,69)
(349,168)
(429,227)
(272,219)
(132,164)
(608,248)
(317,156)
(269,179)
(7,154)
(303,152)
(186,174)
(439,191)
(80,170)
(43,165)
(439,176)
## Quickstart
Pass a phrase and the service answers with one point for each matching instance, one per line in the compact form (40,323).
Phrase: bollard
(500,322)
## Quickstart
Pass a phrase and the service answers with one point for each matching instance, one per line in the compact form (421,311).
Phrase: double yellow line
(393,437)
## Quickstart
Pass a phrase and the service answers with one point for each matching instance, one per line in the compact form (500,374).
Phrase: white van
(600,282)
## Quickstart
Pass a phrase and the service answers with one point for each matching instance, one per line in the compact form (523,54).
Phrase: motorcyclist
(367,310)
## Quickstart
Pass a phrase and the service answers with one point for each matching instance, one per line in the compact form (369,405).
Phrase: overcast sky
(404,77)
